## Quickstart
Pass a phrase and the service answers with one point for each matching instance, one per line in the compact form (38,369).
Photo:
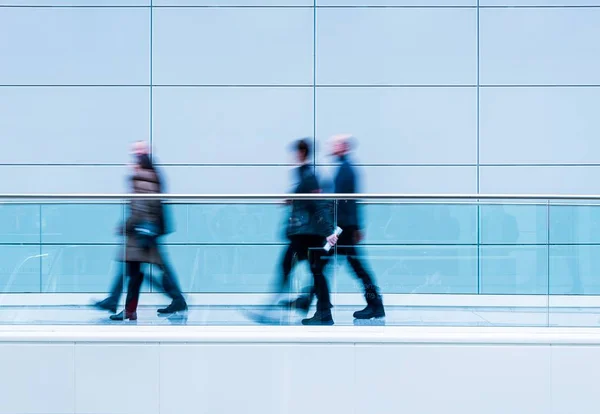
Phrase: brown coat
(143,182)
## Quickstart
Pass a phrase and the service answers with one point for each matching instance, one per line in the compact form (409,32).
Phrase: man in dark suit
(309,228)
(348,218)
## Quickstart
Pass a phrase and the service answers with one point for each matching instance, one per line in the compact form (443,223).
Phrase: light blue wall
(444,96)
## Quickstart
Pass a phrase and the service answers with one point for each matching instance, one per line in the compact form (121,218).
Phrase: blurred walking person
(168,282)
(309,228)
(349,219)
(140,230)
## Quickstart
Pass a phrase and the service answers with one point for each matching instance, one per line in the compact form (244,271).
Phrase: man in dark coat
(309,228)
(349,220)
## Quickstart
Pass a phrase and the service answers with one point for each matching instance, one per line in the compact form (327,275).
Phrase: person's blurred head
(302,150)
(140,148)
(340,144)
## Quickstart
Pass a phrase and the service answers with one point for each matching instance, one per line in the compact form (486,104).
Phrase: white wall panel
(540,180)
(75,46)
(37,379)
(117,378)
(230,125)
(401,125)
(207,46)
(539,46)
(385,46)
(71,124)
(539,125)
(454,379)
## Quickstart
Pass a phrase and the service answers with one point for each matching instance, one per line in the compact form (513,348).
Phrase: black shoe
(107,305)
(124,316)
(373,310)
(174,307)
(322,317)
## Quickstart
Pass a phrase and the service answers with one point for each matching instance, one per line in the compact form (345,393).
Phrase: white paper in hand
(328,246)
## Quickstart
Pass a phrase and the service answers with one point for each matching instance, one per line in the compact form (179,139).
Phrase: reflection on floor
(253,315)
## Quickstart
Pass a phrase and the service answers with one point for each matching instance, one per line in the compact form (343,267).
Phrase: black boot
(174,307)
(132,316)
(321,317)
(107,305)
(374,308)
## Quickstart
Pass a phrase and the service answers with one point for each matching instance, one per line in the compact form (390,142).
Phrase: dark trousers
(311,248)
(136,277)
(168,282)
(290,258)
(346,246)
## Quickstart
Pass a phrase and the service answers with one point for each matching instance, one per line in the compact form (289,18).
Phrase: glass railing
(456,260)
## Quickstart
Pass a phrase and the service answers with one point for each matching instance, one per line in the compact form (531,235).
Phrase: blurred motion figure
(144,169)
(348,218)
(309,227)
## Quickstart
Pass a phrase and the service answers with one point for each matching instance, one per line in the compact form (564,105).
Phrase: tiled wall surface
(444,96)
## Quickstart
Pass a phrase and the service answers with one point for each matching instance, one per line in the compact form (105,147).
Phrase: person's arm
(346,181)
(349,185)
(134,217)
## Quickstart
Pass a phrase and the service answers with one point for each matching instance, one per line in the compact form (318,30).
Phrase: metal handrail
(327,196)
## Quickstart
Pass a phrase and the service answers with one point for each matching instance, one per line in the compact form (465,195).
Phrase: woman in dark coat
(144,215)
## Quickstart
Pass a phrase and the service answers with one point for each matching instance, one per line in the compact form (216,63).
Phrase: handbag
(146,233)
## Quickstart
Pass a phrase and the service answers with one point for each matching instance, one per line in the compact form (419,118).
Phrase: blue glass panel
(226,269)
(82,223)
(20,269)
(574,224)
(414,269)
(19,223)
(514,270)
(574,270)
(80,269)
(228,223)
(513,224)
(420,223)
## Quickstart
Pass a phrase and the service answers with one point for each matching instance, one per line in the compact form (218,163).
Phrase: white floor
(215,315)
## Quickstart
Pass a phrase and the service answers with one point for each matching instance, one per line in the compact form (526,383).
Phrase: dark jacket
(165,225)
(143,182)
(345,183)
(309,217)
